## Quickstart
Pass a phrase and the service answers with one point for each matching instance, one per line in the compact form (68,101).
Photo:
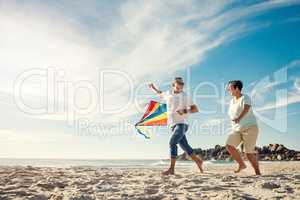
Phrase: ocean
(155,163)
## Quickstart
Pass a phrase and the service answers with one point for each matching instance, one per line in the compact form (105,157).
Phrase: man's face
(177,87)
(232,91)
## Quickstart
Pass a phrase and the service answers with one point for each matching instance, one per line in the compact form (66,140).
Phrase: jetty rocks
(271,152)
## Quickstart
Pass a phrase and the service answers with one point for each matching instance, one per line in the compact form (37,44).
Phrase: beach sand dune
(281,180)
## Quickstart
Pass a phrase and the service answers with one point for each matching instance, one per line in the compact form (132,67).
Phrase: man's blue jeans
(179,137)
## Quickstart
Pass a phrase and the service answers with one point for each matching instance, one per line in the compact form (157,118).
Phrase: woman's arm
(193,109)
(243,113)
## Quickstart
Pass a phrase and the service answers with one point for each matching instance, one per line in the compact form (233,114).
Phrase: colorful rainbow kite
(156,115)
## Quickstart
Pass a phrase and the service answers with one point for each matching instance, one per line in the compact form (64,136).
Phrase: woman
(244,127)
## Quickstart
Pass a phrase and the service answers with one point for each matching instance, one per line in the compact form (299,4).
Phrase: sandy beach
(280,180)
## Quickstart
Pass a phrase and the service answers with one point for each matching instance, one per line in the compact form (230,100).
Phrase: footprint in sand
(228,178)
(247,181)
(197,181)
(269,185)
(151,190)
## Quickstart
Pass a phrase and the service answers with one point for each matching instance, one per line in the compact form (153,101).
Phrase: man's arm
(243,113)
(193,109)
(154,89)
(158,92)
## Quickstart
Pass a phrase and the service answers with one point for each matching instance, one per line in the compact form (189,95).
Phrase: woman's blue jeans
(179,137)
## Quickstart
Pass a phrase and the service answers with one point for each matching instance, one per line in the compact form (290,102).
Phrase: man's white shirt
(175,102)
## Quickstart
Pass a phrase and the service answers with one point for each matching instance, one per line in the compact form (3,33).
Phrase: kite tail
(140,132)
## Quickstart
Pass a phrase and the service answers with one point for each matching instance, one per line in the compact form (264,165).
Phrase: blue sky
(140,42)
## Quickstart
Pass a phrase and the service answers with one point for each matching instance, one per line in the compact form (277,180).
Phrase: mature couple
(244,126)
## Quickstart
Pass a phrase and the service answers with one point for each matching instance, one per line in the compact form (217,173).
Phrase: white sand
(281,180)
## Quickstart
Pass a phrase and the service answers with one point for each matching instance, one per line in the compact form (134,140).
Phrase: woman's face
(232,91)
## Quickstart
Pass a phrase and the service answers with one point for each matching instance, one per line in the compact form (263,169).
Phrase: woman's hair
(178,80)
(236,84)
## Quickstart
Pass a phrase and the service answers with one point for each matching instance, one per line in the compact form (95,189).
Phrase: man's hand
(151,85)
(182,111)
(193,109)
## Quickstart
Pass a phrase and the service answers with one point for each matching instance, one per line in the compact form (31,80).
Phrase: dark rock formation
(272,152)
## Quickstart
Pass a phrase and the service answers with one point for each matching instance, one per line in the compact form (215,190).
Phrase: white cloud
(282,82)
(148,40)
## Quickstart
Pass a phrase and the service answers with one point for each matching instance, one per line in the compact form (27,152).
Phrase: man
(244,127)
(179,105)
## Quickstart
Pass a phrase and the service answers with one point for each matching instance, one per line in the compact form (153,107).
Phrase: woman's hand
(244,112)
(237,120)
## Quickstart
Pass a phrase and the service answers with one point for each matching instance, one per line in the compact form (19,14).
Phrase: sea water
(114,163)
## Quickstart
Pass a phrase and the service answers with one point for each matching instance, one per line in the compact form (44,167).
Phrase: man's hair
(178,80)
(236,84)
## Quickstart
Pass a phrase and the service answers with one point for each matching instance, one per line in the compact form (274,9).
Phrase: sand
(280,180)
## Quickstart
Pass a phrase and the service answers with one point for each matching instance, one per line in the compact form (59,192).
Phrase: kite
(155,115)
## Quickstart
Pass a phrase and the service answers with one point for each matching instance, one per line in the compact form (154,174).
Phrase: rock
(272,152)
(183,157)
(280,149)
(297,156)
(273,147)
(264,150)
(198,151)
(290,154)
(217,147)
(267,158)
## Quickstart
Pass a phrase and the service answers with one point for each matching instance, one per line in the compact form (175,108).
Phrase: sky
(74,75)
